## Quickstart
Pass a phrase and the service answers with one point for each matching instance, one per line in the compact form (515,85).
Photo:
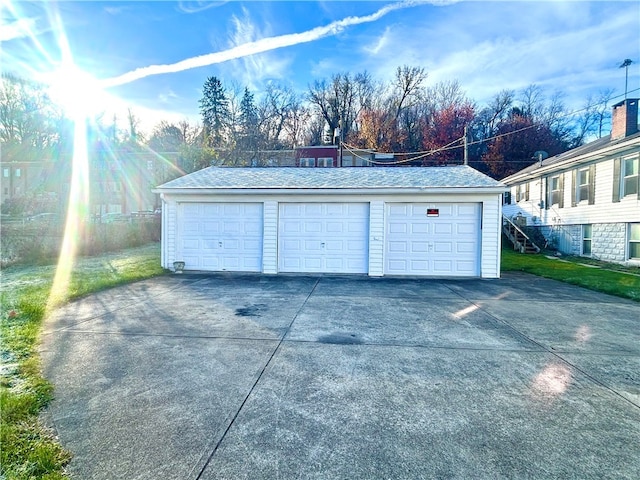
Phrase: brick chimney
(624,120)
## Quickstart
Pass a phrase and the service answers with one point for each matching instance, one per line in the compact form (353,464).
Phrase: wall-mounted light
(178,267)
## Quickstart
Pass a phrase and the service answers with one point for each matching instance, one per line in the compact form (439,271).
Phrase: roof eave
(596,155)
(332,191)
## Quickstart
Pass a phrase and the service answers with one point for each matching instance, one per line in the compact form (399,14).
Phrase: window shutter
(561,187)
(616,180)
(592,184)
(575,187)
(526,192)
(547,193)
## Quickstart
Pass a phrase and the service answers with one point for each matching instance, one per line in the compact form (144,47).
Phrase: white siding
(270,242)
(491,236)
(170,233)
(376,238)
(604,210)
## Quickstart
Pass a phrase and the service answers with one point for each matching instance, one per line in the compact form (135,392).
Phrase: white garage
(431,221)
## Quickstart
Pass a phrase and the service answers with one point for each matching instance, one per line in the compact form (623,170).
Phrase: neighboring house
(23,179)
(438,221)
(327,156)
(119,182)
(587,201)
(324,156)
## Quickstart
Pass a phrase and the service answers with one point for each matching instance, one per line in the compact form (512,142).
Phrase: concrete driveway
(329,377)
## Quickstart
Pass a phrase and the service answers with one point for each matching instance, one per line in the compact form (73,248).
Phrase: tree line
(405,115)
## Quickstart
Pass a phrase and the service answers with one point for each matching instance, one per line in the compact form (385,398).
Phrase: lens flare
(76,213)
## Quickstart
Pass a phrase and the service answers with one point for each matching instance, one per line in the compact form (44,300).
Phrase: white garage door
(323,237)
(220,236)
(433,239)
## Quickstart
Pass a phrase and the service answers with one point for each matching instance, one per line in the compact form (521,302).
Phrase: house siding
(170,234)
(491,237)
(376,238)
(270,239)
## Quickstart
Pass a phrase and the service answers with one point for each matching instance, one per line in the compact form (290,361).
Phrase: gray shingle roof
(460,176)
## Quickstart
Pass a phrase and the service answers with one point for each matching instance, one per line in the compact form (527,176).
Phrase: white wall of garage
(489,221)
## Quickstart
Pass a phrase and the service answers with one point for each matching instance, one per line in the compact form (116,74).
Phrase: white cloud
(167,97)
(252,70)
(381,42)
(259,46)
(198,6)
(17,29)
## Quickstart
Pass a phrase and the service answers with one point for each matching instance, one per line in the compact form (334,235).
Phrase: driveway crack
(259,377)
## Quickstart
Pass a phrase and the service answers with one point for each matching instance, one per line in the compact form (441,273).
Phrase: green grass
(605,277)
(28,450)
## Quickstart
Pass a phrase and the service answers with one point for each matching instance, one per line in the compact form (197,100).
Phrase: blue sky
(575,47)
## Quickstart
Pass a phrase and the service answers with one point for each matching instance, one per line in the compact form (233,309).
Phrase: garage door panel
(466,247)
(442,266)
(336,227)
(443,228)
(465,228)
(397,247)
(442,247)
(311,227)
(419,247)
(418,228)
(323,237)
(398,228)
(444,243)
(221,236)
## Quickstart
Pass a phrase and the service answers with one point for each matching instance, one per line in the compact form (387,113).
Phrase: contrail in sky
(258,46)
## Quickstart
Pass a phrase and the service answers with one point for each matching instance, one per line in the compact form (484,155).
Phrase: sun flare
(77,92)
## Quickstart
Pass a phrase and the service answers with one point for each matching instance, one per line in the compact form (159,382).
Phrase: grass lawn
(27,449)
(592,274)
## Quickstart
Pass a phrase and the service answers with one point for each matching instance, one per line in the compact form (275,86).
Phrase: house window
(626,177)
(582,185)
(586,240)
(630,176)
(634,241)
(325,162)
(522,192)
(18,172)
(347,161)
(307,162)
(5,173)
(555,190)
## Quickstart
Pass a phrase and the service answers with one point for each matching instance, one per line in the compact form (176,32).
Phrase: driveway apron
(230,376)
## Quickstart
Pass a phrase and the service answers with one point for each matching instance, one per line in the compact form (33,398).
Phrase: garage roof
(278,178)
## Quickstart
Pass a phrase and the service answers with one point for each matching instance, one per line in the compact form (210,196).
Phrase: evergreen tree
(214,107)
